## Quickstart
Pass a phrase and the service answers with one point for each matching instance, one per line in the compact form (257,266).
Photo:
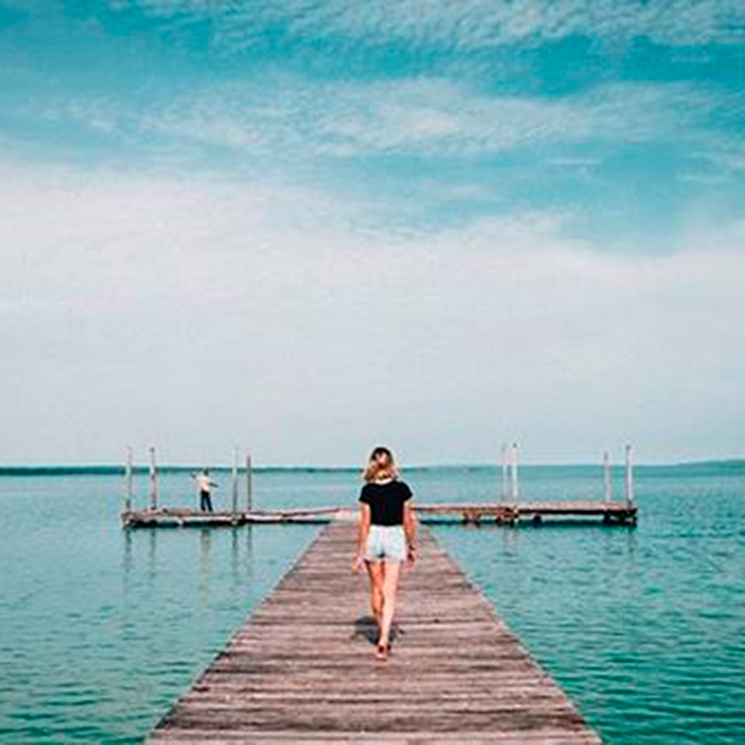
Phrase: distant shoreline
(114,470)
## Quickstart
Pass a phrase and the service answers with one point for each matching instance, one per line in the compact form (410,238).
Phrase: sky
(307,227)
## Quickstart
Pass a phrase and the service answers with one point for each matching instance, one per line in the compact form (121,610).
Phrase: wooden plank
(230,737)
(302,668)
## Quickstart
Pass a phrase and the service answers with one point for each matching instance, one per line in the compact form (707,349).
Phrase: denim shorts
(386,543)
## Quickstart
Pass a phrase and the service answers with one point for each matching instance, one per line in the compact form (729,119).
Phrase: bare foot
(381,652)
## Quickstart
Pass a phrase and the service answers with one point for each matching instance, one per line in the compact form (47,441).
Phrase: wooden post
(249,484)
(234,483)
(629,480)
(504,473)
(608,494)
(128,487)
(153,481)
(513,472)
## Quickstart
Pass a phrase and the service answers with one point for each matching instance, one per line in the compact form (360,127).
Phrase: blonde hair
(373,471)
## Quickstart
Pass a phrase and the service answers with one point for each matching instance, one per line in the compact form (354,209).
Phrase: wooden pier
(623,513)
(182,517)
(302,668)
(507,509)
(618,513)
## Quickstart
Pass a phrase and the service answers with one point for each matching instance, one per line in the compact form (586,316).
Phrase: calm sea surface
(101,629)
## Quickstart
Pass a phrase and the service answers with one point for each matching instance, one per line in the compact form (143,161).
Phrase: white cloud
(464,25)
(138,309)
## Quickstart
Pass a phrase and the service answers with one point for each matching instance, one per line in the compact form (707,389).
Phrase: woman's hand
(410,531)
(357,563)
(410,556)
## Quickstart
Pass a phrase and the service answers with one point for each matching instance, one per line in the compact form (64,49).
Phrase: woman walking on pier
(387,537)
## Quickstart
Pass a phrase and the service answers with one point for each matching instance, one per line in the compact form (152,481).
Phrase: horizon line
(112,468)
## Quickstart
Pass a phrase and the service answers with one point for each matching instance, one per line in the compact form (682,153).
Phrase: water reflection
(511,541)
(205,564)
(127,563)
(205,547)
(234,554)
(152,552)
(127,558)
(227,553)
(240,548)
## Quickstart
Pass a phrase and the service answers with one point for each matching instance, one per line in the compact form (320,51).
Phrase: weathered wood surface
(180,517)
(302,668)
(505,513)
(556,507)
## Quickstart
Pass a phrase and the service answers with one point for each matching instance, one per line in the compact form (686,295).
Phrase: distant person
(387,537)
(205,486)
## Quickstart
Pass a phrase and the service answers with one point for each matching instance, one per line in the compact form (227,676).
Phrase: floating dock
(302,668)
(621,513)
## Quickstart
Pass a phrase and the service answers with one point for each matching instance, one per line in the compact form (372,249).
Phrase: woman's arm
(362,537)
(410,528)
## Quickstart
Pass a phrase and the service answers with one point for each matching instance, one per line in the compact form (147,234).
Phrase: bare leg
(375,570)
(390,586)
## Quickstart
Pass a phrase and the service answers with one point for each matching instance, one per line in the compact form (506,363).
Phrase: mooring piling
(514,495)
(234,483)
(504,473)
(629,475)
(249,483)
(607,478)
(128,481)
(153,480)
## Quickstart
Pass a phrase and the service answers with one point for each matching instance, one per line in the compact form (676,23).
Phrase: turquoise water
(101,629)
(644,628)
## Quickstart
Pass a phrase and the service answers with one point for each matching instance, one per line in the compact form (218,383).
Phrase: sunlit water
(101,629)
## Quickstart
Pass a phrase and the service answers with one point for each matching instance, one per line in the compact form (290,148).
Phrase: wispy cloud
(464,25)
(291,129)
(435,116)
(423,116)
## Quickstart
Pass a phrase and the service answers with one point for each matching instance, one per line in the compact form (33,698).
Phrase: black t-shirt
(386,501)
